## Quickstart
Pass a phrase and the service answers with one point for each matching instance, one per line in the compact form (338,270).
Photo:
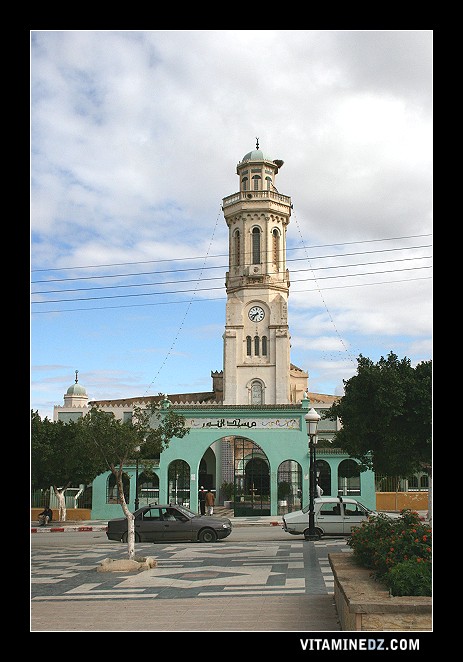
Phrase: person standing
(210,501)
(202,500)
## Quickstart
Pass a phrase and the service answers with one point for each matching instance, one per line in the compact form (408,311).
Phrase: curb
(61,529)
(104,527)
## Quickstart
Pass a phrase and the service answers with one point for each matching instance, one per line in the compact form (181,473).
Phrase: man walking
(202,500)
(210,501)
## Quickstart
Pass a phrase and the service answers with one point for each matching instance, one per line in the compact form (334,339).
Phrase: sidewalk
(219,511)
(100,525)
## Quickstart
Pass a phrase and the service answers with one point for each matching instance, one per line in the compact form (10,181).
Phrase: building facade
(249,430)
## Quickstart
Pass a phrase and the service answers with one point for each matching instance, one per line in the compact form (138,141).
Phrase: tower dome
(76,389)
(76,395)
(256,155)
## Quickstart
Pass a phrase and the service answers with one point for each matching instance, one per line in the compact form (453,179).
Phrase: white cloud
(135,140)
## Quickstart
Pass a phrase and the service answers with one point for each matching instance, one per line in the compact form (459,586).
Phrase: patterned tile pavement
(260,586)
(186,571)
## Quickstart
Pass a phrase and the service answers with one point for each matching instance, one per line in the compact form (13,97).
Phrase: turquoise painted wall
(279,431)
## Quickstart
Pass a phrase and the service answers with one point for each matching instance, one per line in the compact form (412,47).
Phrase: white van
(333,516)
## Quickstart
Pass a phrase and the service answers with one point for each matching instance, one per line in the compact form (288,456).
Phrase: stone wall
(365,604)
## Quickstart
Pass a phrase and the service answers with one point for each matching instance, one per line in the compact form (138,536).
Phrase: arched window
(236,250)
(257,393)
(268,181)
(179,483)
(148,489)
(349,478)
(276,248)
(248,345)
(264,345)
(256,182)
(323,476)
(244,184)
(112,495)
(256,245)
(289,480)
(256,345)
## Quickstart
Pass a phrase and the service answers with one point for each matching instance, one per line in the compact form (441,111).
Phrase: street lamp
(311,421)
(137,502)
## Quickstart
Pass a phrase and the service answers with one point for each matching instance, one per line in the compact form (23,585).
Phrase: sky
(135,137)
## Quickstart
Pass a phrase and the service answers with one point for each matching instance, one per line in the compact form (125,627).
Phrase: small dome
(76,389)
(256,155)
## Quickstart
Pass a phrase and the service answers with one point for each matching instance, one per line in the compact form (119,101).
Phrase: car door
(329,518)
(150,526)
(354,515)
(177,526)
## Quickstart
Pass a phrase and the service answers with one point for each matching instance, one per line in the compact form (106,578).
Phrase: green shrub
(227,490)
(382,543)
(412,577)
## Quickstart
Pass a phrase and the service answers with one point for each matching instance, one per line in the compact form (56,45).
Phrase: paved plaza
(225,586)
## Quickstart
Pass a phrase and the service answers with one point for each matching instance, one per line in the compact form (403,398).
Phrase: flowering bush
(383,544)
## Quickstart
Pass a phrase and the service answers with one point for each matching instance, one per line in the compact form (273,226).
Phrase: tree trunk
(130,519)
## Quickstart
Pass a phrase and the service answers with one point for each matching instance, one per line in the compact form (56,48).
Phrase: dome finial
(257,143)
(77,372)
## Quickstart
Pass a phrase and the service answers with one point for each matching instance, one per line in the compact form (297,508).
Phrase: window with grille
(264,345)
(257,393)
(237,248)
(248,345)
(256,246)
(276,248)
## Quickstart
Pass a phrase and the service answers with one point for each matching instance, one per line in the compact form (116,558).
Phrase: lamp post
(137,502)
(311,421)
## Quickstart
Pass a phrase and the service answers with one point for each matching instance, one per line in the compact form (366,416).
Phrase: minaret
(256,338)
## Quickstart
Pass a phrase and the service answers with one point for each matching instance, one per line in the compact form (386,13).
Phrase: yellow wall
(401,500)
(72,514)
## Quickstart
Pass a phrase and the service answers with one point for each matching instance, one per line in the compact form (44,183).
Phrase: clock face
(256,314)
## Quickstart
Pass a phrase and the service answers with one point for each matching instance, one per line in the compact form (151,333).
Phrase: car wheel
(125,537)
(207,535)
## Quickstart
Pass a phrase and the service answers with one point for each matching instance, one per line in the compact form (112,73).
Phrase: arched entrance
(251,479)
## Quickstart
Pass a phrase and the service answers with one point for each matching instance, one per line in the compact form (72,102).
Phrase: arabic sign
(257,423)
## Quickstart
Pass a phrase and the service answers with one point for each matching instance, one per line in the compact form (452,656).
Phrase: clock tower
(256,339)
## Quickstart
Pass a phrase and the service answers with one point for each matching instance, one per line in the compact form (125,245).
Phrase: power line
(202,257)
(208,299)
(221,266)
(171,282)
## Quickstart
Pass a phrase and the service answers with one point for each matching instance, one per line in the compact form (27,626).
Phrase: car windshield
(186,511)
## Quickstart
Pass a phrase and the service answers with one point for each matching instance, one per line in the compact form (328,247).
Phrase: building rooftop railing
(260,195)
